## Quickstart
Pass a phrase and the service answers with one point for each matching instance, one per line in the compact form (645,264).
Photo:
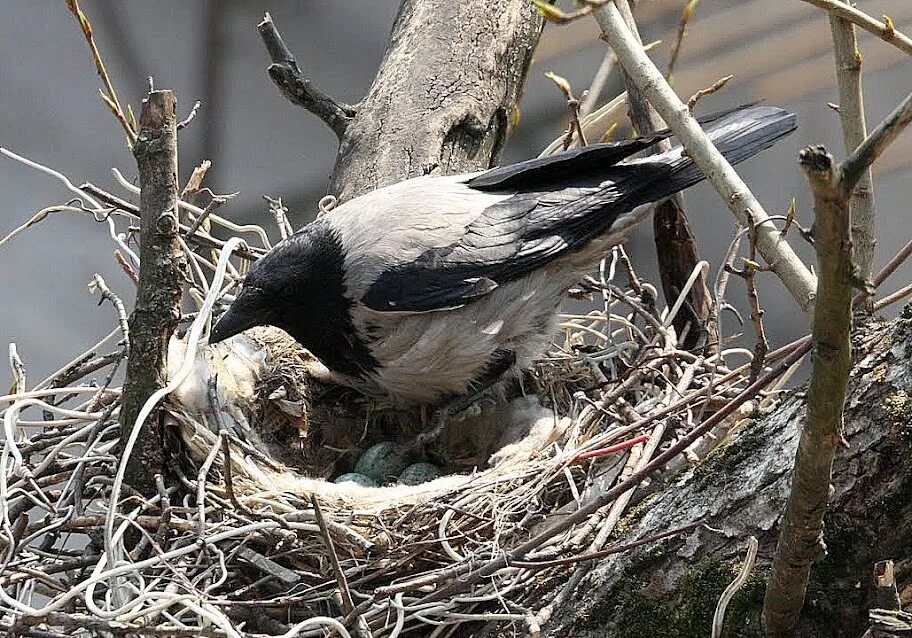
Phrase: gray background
(779,50)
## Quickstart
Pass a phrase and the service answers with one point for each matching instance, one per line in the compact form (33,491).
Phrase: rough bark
(444,96)
(802,530)
(157,308)
(671,589)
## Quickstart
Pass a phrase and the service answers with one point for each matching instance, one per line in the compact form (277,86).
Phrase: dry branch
(855,165)
(161,269)
(676,246)
(737,196)
(883,30)
(854,131)
(800,539)
(287,75)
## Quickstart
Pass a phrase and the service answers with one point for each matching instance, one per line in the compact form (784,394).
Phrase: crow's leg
(500,364)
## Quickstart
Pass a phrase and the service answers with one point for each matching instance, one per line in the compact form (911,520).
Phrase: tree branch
(783,260)
(676,247)
(855,165)
(854,131)
(884,31)
(801,536)
(287,75)
(161,268)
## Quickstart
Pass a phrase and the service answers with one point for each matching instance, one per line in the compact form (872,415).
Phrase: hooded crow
(419,291)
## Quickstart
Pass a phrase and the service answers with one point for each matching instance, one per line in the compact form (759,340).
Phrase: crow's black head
(271,290)
(299,286)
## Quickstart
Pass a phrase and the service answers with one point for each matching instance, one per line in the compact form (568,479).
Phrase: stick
(785,263)
(883,30)
(855,165)
(110,96)
(162,263)
(802,528)
(287,75)
(854,131)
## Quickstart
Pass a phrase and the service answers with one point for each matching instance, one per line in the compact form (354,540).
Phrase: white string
(193,338)
(118,238)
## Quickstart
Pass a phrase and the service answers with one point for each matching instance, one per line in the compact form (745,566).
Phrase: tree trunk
(444,96)
(671,589)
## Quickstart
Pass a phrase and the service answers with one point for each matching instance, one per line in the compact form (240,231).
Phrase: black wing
(549,216)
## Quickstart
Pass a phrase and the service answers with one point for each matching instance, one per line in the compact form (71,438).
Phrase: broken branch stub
(161,269)
(801,536)
(294,85)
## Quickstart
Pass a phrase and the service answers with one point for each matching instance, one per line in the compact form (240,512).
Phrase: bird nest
(247,534)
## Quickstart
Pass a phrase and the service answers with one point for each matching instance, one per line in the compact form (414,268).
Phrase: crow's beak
(232,323)
(246,312)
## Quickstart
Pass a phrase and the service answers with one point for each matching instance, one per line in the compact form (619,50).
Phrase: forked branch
(294,85)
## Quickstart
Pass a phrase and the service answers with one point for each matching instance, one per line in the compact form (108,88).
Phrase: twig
(128,269)
(157,308)
(596,125)
(854,130)
(195,181)
(699,95)
(893,297)
(216,202)
(573,105)
(853,168)
(18,369)
(161,535)
(883,30)
(109,98)
(737,196)
(98,283)
(280,214)
(686,17)
(599,80)
(347,603)
(749,273)
(192,114)
(802,528)
(291,81)
(617,549)
(734,586)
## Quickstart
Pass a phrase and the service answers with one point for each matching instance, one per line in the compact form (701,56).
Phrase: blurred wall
(261,144)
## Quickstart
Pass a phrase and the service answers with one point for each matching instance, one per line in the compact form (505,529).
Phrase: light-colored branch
(737,196)
(884,31)
(854,131)
(800,539)
(598,83)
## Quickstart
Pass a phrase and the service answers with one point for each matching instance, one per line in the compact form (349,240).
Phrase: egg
(382,462)
(418,473)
